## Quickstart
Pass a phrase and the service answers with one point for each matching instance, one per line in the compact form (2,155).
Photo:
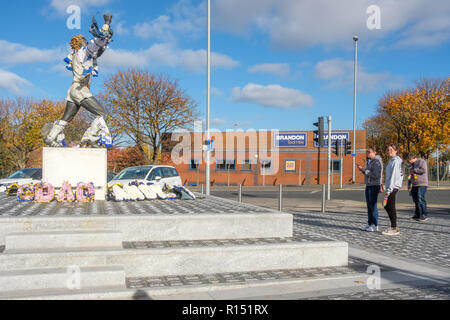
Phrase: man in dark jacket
(418,184)
(372,178)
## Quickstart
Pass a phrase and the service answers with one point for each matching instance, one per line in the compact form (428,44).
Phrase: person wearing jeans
(372,178)
(418,184)
(394,180)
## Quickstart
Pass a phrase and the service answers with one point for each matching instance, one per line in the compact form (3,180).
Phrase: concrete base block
(97,293)
(75,165)
(191,260)
(63,240)
(161,227)
(72,278)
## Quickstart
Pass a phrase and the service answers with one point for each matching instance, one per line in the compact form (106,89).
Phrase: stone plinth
(76,165)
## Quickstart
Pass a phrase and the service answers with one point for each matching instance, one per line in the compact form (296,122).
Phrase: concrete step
(87,293)
(161,227)
(263,289)
(188,260)
(63,240)
(72,278)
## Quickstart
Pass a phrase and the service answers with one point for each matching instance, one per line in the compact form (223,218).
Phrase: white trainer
(366,227)
(372,228)
(391,232)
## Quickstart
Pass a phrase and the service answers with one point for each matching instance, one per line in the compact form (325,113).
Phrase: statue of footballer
(83,64)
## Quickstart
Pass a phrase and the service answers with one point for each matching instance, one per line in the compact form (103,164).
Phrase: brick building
(262,158)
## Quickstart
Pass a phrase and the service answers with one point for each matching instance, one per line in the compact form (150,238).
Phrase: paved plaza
(422,241)
(436,292)
(413,265)
(10,207)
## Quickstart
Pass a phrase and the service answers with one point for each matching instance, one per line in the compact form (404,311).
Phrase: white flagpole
(208,101)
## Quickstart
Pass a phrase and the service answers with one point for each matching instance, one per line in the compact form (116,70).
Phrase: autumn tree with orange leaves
(416,119)
(119,159)
(144,107)
(21,122)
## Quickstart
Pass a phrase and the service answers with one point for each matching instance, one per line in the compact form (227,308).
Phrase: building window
(290,166)
(266,164)
(336,166)
(231,165)
(194,164)
(220,165)
(225,165)
(246,165)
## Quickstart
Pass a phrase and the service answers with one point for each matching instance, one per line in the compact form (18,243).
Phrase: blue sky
(277,64)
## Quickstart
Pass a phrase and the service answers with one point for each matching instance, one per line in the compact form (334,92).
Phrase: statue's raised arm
(102,37)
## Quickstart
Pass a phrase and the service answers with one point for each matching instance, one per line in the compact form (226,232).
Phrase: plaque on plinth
(76,165)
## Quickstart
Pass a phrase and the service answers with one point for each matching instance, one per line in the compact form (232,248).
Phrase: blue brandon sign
(334,136)
(294,139)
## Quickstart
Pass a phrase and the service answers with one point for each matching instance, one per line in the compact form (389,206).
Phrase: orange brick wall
(308,156)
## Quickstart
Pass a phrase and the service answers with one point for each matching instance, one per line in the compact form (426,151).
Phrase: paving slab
(12,282)
(63,239)
(188,260)
(159,220)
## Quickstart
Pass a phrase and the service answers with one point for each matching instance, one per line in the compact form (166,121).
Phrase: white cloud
(239,16)
(338,72)
(241,124)
(278,69)
(295,24)
(223,122)
(219,60)
(182,19)
(122,58)
(120,29)
(427,32)
(218,121)
(213,122)
(272,95)
(12,82)
(164,54)
(217,92)
(333,68)
(60,6)
(159,54)
(15,53)
(153,29)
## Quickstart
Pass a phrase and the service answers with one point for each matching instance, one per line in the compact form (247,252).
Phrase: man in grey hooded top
(373,179)
(418,184)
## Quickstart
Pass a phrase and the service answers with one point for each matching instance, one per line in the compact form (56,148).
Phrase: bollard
(323,198)
(240,193)
(202,191)
(280,199)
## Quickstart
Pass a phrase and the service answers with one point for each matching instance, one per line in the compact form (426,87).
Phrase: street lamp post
(355,38)
(208,100)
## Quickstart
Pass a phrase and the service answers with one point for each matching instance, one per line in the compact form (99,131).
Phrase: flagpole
(208,101)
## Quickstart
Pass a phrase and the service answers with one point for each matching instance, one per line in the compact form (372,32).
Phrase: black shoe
(416,218)
(423,219)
